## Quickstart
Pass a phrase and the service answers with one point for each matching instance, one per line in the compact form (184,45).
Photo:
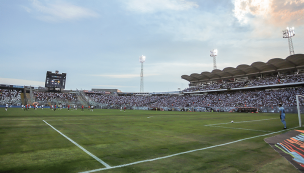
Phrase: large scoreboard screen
(55,80)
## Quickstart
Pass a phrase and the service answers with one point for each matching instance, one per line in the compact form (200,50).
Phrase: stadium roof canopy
(273,65)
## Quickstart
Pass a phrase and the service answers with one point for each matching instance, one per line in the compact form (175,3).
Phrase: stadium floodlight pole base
(299,111)
(142,59)
(213,53)
(142,78)
(291,50)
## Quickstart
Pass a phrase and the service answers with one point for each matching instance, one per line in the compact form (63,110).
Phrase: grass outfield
(28,144)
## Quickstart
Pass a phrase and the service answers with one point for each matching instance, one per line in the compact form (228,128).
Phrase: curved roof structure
(275,64)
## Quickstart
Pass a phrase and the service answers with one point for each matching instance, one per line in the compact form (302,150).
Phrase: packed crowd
(10,96)
(267,98)
(50,96)
(123,100)
(282,79)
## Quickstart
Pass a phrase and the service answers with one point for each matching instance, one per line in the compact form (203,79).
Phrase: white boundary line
(240,128)
(216,125)
(241,122)
(96,158)
(71,119)
(190,151)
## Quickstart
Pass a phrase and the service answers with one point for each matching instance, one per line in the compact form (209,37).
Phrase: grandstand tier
(293,64)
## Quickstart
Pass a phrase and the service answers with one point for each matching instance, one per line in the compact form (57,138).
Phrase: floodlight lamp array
(213,52)
(142,59)
(288,32)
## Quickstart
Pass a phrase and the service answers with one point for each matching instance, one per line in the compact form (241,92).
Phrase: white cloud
(60,10)
(193,26)
(269,17)
(273,12)
(27,9)
(244,8)
(122,75)
(21,82)
(150,6)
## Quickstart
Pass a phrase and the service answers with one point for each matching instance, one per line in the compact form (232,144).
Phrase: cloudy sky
(98,43)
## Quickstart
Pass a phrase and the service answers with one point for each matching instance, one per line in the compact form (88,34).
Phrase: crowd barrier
(288,109)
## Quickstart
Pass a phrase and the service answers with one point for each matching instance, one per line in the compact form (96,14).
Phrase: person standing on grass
(82,107)
(282,115)
(42,106)
(68,107)
(55,107)
(6,106)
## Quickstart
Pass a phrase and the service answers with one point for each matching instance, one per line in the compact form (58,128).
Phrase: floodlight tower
(142,59)
(288,33)
(213,53)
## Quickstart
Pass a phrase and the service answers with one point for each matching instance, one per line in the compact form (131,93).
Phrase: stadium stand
(293,64)
(265,98)
(272,80)
(260,85)
(10,96)
(51,98)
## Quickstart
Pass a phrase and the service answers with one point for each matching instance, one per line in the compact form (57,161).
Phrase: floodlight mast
(213,53)
(142,59)
(288,33)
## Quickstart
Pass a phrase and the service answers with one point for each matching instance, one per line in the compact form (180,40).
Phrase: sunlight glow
(244,8)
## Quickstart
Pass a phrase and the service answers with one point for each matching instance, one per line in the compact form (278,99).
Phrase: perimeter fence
(264,109)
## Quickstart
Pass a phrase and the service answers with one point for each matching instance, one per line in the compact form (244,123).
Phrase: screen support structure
(53,89)
(299,110)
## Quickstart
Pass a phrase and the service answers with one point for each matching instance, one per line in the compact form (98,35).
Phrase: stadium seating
(13,97)
(273,80)
(216,99)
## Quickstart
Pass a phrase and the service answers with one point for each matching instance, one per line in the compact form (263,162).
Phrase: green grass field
(28,144)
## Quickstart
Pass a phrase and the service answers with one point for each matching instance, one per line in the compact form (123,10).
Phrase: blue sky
(98,43)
